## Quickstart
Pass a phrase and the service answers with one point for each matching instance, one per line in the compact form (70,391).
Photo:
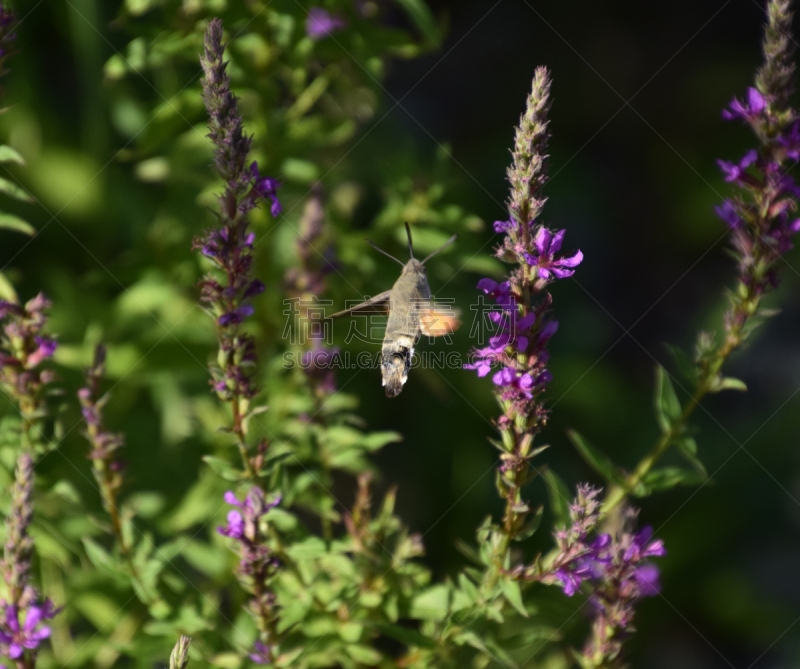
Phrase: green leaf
(529,528)
(513,595)
(687,447)
(100,558)
(363,654)
(596,459)
(431,604)
(685,363)
(560,497)
(668,407)
(728,383)
(9,155)
(419,12)
(223,468)
(405,635)
(667,478)
(12,190)
(11,222)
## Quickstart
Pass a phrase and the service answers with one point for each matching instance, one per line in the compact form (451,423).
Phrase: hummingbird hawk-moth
(411,314)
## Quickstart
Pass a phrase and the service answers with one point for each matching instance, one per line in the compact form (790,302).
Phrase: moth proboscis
(412,313)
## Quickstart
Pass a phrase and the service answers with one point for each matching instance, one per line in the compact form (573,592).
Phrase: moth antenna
(410,249)
(441,248)
(378,248)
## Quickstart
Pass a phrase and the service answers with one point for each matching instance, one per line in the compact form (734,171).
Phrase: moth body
(403,327)
(411,314)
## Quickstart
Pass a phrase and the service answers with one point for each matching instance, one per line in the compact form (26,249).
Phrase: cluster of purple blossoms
(257,565)
(761,220)
(23,348)
(321,23)
(16,637)
(605,560)
(519,346)
(615,565)
(230,246)
(761,215)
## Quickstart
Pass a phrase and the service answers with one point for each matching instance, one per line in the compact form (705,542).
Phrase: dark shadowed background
(638,89)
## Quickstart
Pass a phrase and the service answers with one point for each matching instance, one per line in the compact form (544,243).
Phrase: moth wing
(378,304)
(436,323)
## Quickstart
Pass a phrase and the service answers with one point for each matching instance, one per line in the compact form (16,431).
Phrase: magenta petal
(755,101)
(32,619)
(749,158)
(548,330)
(526,382)
(487,285)
(558,238)
(542,241)
(573,261)
(522,343)
(525,322)
(562,273)
(544,273)
(12,621)
(230,498)
(15,650)
(647,578)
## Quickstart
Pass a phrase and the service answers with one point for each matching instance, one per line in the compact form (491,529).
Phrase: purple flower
(262,654)
(15,638)
(484,366)
(255,288)
(243,525)
(512,378)
(321,23)
(737,171)
(503,226)
(728,213)
(749,110)
(236,316)
(647,578)
(267,188)
(235,526)
(547,245)
(45,349)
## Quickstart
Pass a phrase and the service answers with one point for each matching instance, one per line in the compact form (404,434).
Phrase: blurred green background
(637,90)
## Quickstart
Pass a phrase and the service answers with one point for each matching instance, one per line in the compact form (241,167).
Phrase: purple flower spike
(320,23)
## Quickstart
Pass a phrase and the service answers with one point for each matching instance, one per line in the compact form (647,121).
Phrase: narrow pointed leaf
(668,407)
(596,459)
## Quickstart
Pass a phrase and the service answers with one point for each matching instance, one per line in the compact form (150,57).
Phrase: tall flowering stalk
(517,355)
(230,245)
(760,216)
